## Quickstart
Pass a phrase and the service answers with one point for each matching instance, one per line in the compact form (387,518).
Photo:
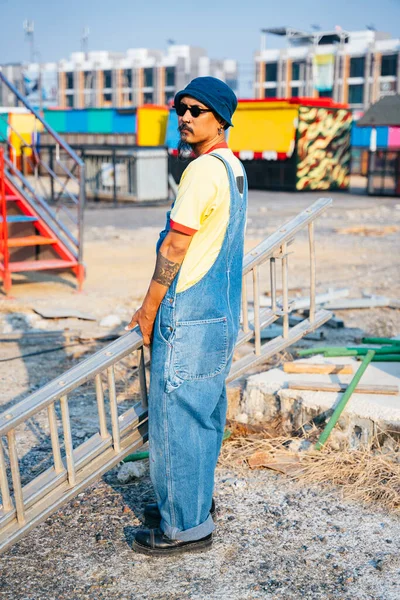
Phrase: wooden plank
(322,386)
(319,369)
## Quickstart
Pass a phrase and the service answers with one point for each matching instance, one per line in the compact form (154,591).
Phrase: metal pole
(113,409)
(344,400)
(114,162)
(55,443)
(245,314)
(68,440)
(82,199)
(142,378)
(256,300)
(101,408)
(52,169)
(285,291)
(312,271)
(16,477)
(272,263)
(5,490)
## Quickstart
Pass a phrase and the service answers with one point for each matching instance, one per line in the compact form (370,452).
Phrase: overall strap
(236,199)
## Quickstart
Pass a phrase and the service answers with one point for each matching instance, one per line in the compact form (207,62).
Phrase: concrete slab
(267,396)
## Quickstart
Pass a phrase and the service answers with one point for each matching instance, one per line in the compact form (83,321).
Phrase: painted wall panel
(3,126)
(123,123)
(151,125)
(323,148)
(57,119)
(172,134)
(264,127)
(394,137)
(360,136)
(24,126)
(77,121)
(100,120)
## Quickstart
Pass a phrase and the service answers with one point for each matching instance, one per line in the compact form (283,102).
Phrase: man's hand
(145,319)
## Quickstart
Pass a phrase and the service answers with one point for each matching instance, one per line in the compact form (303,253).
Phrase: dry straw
(370,475)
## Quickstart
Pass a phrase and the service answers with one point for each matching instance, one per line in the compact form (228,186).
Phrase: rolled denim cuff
(189,535)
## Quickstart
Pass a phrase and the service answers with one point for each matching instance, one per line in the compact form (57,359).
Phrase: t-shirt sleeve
(196,194)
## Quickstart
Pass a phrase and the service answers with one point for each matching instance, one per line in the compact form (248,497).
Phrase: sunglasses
(195,110)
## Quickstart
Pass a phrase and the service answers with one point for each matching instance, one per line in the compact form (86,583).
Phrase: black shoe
(152,517)
(155,543)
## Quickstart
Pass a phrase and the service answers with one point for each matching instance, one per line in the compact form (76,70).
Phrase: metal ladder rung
(277,345)
(267,316)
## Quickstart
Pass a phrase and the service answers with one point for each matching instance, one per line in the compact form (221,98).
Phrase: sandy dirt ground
(275,538)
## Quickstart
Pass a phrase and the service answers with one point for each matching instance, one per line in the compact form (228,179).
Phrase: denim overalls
(193,342)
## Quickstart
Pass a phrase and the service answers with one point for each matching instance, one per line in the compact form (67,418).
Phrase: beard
(184,150)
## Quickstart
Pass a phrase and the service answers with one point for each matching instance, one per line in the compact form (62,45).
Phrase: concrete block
(267,396)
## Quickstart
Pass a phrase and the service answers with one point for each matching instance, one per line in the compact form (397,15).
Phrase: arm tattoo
(165,271)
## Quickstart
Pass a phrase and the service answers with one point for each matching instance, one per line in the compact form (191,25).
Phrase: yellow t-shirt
(201,209)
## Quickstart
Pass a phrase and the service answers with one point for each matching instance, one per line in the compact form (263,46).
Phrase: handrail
(284,233)
(43,205)
(58,138)
(3,212)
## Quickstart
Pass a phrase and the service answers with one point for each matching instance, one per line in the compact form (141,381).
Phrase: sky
(226,29)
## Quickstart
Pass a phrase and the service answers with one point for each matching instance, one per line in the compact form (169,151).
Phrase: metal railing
(55,188)
(76,468)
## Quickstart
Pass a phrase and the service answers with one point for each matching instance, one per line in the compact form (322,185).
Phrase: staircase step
(19,219)
(11,198)
(30,240)
(40,265)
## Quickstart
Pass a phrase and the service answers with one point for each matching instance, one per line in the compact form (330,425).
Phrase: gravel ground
(274,539)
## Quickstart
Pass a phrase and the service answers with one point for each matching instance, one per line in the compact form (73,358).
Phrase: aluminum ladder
(75,468)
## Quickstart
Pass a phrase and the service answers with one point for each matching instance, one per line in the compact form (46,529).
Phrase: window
(271,71)
(295,92)
(356,94)
(170,76)
(168,97)
(270,93)
(70,100)
(69,79)
(148,77)
(127,78)
(148,98)
(298,70)
(357,66)
(389,65)
(326,93)
(107,79)
(107,97)
(88,80)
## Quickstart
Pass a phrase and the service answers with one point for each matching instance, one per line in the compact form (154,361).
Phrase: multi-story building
(355,67)
(103,79)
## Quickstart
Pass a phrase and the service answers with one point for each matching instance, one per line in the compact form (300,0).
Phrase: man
(190,315)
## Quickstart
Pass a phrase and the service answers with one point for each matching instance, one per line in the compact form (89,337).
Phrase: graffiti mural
(323,148)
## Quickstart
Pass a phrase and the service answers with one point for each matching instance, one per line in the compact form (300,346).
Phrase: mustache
(184,127)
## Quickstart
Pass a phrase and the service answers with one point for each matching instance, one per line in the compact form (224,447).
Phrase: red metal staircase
(41,204)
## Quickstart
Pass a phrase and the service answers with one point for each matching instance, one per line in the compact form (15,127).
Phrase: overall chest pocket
(200,348)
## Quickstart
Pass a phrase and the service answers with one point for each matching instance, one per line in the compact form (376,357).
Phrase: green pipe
(143,455)
(344,400)
(320,350)
(343,352)
(378,340)
(362,351)
(385,358)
